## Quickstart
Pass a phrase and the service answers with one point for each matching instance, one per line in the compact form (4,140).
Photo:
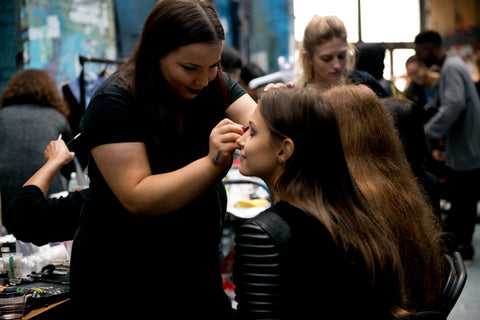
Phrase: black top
(302,275)
(171,261)
(31,217)
(362,77)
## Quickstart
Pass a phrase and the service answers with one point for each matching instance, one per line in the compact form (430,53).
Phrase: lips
(194,91)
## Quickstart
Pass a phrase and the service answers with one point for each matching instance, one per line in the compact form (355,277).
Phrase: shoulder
(234,88)
(273,224)
(454,64)
(362,77)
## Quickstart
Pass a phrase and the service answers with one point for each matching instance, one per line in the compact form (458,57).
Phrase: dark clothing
(302,276)
(464,191)
(362,77)
(25,132)
(31,217)
(150,266)
(426,98)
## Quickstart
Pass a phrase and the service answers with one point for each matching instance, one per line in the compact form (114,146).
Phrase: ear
(307,57)
(285,150)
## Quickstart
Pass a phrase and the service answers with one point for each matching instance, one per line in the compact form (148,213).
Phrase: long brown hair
(170,25)
(35,87)
(378,164)
(322,186)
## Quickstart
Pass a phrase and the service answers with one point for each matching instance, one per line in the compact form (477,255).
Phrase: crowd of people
(355,171)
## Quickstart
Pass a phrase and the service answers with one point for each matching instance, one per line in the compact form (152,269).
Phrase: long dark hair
(317,180)
(170,25)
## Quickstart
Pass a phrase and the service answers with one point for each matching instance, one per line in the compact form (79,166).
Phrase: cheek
(212,74)
(259,161)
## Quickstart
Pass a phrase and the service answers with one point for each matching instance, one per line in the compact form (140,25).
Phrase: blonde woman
(327,59)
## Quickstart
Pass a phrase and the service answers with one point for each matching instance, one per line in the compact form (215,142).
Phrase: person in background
(31,216)
(423,90)
(423,86)
(457,122)
(231,62)
(249,72)
(325,55)
(378,164)
(32,113)
(324,250)
(161,133)
(370,58)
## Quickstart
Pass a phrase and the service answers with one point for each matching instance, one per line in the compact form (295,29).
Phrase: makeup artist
(161,133)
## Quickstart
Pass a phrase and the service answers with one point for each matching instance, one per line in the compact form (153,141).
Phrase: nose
(241,141)
(336,63)
(202,79)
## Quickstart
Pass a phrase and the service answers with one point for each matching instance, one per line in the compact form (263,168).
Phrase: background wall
(458,21)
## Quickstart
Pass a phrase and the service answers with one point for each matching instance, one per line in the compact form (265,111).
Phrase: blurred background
(88,39)
(53,35)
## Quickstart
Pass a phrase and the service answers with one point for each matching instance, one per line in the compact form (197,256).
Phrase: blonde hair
(380,168)
(319,30)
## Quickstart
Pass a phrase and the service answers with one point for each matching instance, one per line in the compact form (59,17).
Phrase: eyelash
(216,65)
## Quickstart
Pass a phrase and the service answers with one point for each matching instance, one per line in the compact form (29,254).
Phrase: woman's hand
(223,142)
(271,86)
(57,150)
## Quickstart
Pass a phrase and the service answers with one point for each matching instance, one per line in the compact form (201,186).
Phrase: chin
(243,171)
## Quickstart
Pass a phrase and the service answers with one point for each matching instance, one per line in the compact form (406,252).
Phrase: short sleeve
(111,117)
(236,90)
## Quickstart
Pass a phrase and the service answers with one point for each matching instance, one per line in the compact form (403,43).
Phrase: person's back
(29,119)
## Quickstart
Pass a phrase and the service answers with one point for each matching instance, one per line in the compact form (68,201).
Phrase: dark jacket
(287,266)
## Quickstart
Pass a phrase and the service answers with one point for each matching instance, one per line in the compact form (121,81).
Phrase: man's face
(426,53)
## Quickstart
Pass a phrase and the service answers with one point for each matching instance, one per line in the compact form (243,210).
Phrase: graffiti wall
(55,33)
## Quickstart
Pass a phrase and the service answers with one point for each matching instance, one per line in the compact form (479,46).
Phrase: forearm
(163,193)
(127,171)
(44,177)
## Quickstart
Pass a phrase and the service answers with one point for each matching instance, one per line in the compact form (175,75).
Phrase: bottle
(72,183)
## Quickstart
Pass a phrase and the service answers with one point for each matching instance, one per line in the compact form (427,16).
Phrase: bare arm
(241,109)
(126,169)
(57,155)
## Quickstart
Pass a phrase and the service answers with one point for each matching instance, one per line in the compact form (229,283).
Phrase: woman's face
(258,151)
(328,61)
(190,68)
(417,72)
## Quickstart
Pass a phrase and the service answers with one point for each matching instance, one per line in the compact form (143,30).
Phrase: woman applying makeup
(161,132)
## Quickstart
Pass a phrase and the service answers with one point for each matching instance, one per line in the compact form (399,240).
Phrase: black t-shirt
(176,253)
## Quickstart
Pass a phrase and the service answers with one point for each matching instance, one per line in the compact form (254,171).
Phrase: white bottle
(72,183)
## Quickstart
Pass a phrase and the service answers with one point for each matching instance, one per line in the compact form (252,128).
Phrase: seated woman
(322,250)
